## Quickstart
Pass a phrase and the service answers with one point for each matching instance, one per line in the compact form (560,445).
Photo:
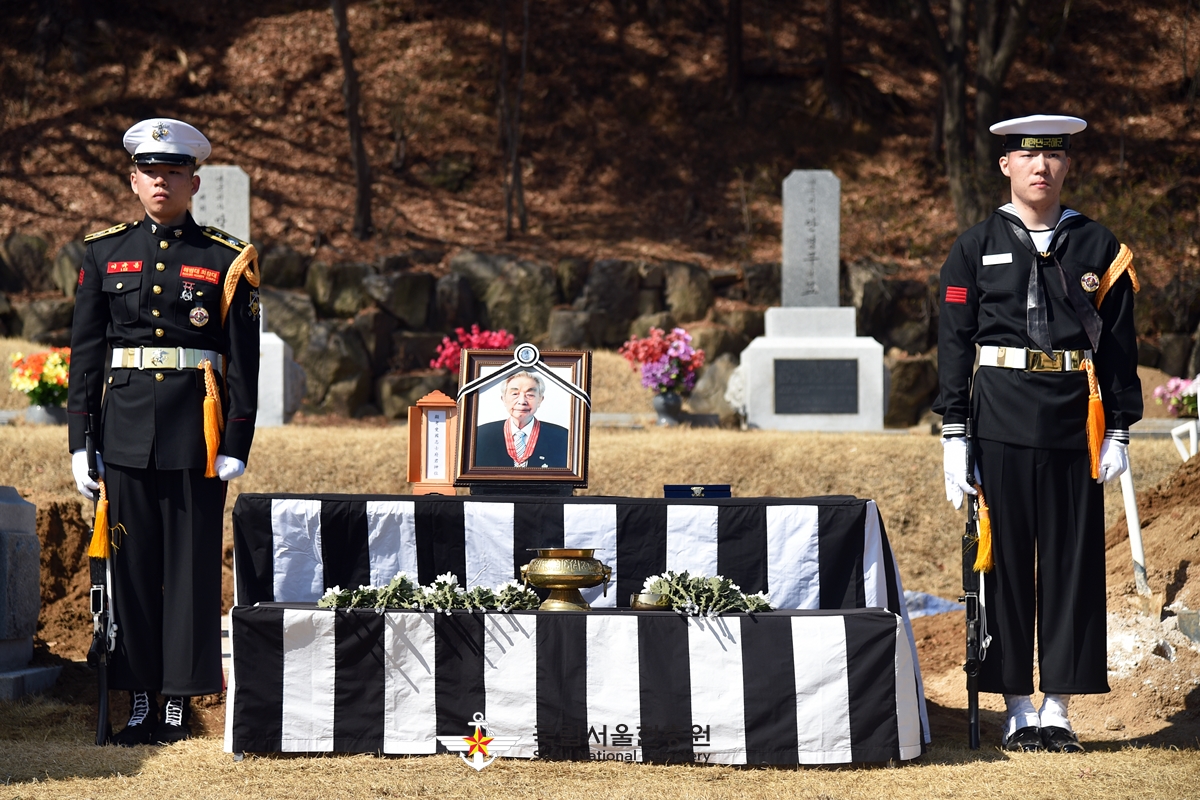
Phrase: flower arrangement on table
(449,351)
(698,596)
(440,596)
(1179,396)
(668,361)
(42,376)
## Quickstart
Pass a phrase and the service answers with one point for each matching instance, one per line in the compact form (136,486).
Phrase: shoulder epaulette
(115,229)
(218,235)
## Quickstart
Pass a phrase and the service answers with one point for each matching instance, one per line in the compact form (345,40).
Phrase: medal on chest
(198,316)
(189,288)
(1090,282)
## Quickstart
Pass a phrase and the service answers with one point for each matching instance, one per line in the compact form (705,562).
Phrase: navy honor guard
(1047,295)
(164,355)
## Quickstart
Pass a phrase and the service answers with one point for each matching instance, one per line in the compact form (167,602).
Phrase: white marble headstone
(223,200)
(812,218)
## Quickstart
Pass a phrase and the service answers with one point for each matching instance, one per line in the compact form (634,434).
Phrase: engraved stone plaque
(816,386)
(812,219)
(223,200)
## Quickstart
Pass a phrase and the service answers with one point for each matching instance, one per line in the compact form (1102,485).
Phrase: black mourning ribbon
(1037,321)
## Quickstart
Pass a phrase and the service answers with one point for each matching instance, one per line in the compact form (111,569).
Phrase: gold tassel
(1095,418)
(983,551)
(214,423)
(101,545)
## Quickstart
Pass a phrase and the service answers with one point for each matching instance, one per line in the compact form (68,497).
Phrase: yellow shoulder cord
(245,264)
(214,420)
(1121,264)
(983,551)
(101,544)
(1095,417)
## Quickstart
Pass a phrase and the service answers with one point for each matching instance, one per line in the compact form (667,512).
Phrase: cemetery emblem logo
(1090,282)
(480,748)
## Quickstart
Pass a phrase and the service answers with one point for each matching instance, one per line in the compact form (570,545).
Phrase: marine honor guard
(165,348)
(1047,295)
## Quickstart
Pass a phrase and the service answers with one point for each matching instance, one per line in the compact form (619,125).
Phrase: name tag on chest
(997,258)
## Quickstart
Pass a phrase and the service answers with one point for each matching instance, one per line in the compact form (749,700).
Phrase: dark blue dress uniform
(1028,431)
(159,288)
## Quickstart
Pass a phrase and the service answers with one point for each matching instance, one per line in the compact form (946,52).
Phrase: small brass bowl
(648,601)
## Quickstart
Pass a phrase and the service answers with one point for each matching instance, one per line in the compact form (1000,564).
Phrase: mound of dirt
(65,622)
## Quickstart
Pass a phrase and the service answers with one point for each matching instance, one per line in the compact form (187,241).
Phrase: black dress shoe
(1060,740)
(174,725)
(143,715)
(1024,740)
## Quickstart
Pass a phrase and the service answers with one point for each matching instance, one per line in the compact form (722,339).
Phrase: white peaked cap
(160,140)
(1039,125)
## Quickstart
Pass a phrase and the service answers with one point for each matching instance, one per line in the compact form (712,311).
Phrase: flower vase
(669,408)
(46,415)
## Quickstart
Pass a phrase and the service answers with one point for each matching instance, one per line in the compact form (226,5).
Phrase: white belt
(163,358)
(1032,360)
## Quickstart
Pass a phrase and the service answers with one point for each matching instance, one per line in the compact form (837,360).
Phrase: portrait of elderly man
(521,439)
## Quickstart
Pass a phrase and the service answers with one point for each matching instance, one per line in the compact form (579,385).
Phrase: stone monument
(20,598)
(810,371)
(224,202)
(224,199)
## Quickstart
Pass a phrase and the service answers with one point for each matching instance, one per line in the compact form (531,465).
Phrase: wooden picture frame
(486,415)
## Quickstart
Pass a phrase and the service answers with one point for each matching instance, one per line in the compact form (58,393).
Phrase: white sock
(1054,711)
(1021,713)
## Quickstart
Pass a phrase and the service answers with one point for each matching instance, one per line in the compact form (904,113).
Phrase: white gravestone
(224,202)
(809,371)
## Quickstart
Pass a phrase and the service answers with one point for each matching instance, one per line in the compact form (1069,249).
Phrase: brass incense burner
(564,571)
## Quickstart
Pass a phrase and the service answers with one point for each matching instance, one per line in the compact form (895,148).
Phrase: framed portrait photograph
(524,416)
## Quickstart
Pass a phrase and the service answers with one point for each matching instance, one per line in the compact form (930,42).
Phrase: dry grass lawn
(45,742)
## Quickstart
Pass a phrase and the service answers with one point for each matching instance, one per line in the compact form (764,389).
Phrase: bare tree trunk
(834,81)
(1000,29)
(505,117)
(358,153)
(733,54)
(518,186)
(950,53)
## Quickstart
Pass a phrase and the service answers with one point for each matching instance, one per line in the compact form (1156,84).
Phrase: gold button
(160,266)
(110,378)
(199,294)
(158,376)
(120,286)
(157,290)
(163,245)
(159,332)
(156,312)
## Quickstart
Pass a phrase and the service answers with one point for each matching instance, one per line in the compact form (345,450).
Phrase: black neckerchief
(1036,315)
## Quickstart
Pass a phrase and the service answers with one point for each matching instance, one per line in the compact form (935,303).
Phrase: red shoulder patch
(81,276)
(124,266)
(201,274)
(956,294)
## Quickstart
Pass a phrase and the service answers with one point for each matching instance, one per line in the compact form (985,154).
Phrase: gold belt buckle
(1043,363)
(129,357)
(1001,355)
(160,357)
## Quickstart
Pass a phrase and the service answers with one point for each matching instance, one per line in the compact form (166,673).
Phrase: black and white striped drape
(788,687)
(807,553)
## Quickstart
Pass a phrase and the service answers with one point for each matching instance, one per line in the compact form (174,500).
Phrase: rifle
(104,629)
(970,579)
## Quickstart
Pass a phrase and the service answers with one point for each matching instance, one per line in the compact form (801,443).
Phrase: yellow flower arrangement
(42,376)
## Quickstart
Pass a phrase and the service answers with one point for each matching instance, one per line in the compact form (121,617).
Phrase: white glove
(229,468)
(954,466)
(79,468)
(1114,460)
